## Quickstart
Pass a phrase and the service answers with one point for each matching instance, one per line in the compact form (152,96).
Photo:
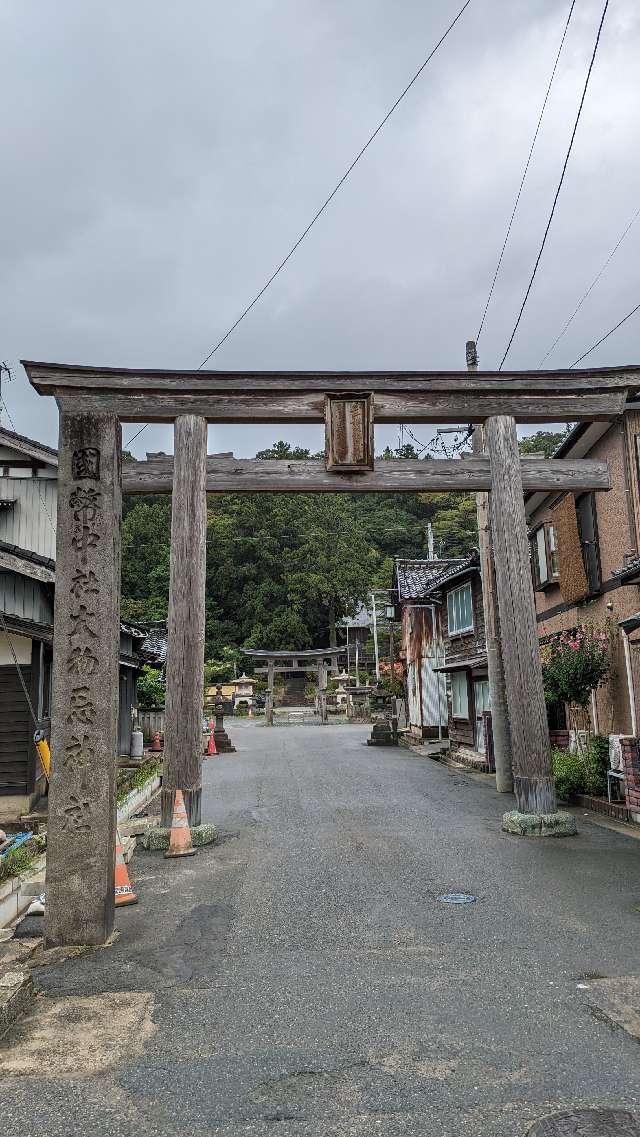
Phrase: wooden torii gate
(94,400)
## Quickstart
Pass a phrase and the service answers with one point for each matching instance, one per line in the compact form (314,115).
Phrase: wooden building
(465,654)
(444,649)
(28,511)
(421,646)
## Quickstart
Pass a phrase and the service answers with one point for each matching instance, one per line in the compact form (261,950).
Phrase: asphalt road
(303,978)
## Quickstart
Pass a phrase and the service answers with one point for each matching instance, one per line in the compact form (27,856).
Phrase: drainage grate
(588,1123)
(457,898)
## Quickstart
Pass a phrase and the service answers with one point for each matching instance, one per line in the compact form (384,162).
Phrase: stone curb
(16,995)
(558,824)
(156,840)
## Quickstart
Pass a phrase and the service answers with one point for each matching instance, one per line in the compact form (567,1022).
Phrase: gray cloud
(160,159)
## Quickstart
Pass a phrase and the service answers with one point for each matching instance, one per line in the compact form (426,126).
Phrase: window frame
(460,675)
(550,553)
(466,587)
(591,555)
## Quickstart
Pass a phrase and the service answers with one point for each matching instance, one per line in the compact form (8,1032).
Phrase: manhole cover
(588,1123)
(457,898)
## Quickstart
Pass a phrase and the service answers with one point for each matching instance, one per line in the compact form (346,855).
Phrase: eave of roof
(470,664)
(29,446)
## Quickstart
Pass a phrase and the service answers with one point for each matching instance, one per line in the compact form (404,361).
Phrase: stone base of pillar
(223,742)
(382,734)
(156,840)
(559,824)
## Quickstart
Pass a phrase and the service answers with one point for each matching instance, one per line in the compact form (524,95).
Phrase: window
(459,695)
(588,529)
(544,556)
(460,610)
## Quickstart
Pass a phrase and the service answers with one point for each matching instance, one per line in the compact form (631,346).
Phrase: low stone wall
(631,768)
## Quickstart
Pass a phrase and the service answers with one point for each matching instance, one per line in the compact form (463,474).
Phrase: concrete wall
(22,647)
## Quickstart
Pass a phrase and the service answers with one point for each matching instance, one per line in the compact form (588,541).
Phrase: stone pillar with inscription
(82,794)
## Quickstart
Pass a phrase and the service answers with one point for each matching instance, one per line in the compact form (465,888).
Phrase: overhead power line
(590,288)
(606,337)
(318,214)
(560,183)
(338,185)
(525,172)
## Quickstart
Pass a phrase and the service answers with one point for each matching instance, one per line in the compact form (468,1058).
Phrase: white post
(630,687)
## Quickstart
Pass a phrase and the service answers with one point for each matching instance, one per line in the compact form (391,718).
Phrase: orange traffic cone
(180,839)
(211,745)
(123,889)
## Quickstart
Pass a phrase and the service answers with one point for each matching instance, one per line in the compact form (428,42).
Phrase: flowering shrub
(574,664)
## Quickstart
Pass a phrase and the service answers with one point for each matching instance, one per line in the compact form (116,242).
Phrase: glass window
(554,564)
(460,610)
(588,527)
(459,695)
(541,555)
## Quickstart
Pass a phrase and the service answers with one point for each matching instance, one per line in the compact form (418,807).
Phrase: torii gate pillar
(186,620)
(533,774)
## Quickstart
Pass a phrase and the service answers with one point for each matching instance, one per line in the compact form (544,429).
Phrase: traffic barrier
(124,893)
(180,840)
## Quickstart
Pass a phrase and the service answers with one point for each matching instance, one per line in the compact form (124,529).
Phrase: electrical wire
(318,214)
(560,183)
(590,288)
(606,337)
(337,187)
(525,172)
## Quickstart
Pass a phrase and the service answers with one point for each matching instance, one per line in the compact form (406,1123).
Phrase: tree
(542,442)
(282,569)
(150,689)
(284,450)
(454,521)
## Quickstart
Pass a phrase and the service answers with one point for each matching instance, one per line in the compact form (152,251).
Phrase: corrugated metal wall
(30,524)
(25,598)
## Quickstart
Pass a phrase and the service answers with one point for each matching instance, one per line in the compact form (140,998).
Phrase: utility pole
(357,662)
(497,691)
(375,635)
(430,546)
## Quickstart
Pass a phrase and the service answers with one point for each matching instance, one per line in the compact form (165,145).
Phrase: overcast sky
(160,158)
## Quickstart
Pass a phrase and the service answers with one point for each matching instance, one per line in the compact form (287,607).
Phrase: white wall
(30,523)
(21,646)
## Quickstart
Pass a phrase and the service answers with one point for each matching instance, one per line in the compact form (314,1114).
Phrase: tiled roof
(419,579)
(630,569)
(361,619)
(154,644)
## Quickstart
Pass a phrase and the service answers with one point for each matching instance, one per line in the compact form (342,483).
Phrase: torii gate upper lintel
(93,401)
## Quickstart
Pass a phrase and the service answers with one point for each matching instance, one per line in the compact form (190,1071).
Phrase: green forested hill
(282,568)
